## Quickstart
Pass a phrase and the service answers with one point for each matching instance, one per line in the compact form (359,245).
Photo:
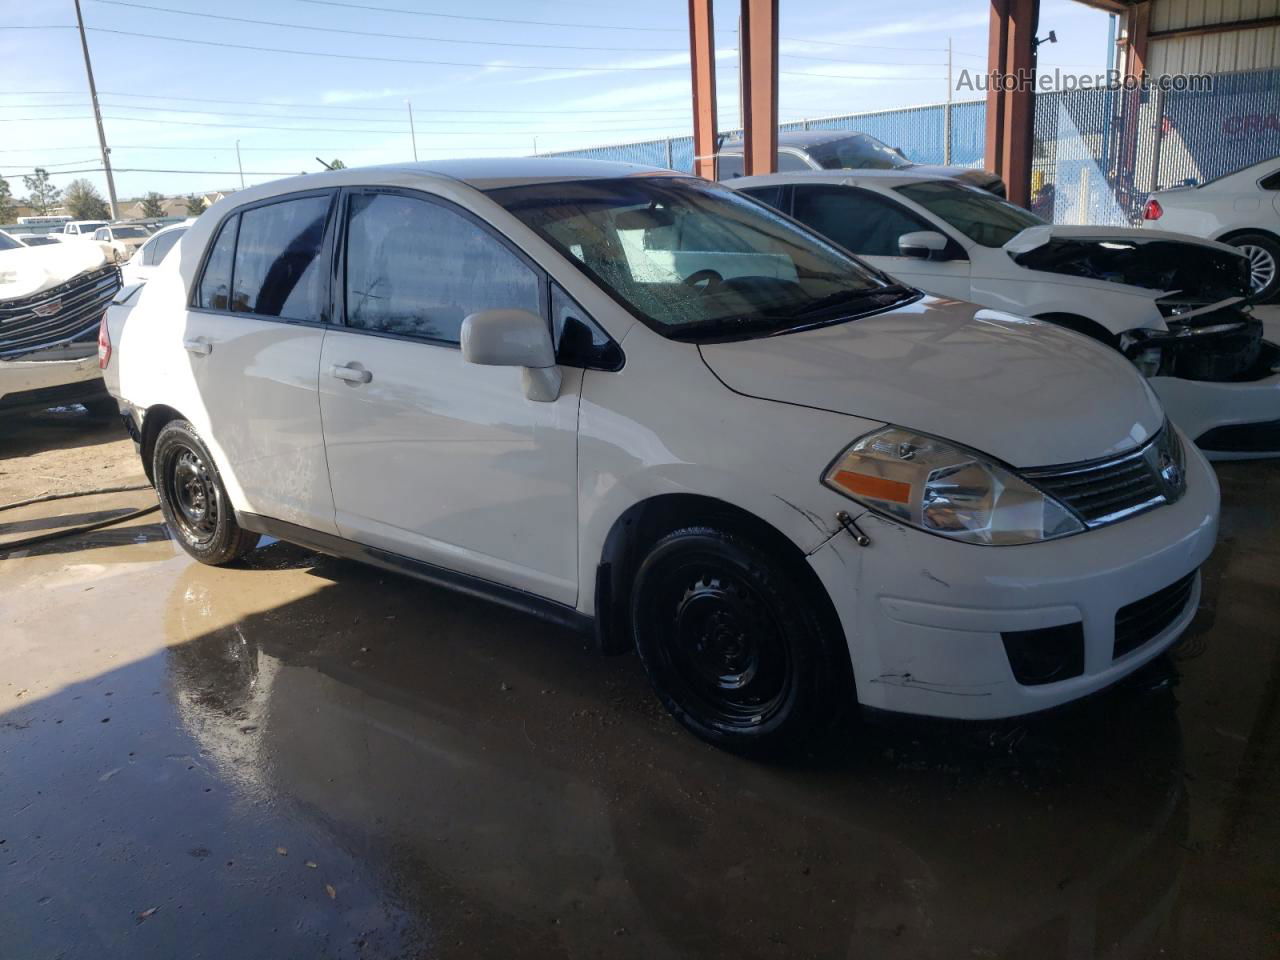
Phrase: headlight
(945,489)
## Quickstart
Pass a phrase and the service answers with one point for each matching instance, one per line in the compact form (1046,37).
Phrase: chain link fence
(1097,154)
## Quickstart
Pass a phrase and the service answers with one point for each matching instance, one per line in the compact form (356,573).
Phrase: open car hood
(34,269)
(1193,270)
(1027,392)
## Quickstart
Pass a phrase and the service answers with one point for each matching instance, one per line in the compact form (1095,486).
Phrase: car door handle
(199,346)
(350,374)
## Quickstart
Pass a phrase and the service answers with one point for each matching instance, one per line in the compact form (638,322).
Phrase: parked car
(152,253)
(642,405)
(122,239)
(1176,305)
(1242,209)
(82,228)
(841,150)
(52,299)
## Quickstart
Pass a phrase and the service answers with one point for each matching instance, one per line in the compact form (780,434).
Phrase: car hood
(984,179)
(1193,270)
(1027,392)
(33,269)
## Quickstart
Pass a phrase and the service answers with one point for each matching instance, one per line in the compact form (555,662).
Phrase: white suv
(642,405)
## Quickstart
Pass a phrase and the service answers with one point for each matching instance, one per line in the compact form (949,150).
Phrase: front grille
(80,303)
(1104,491)
(1149,617)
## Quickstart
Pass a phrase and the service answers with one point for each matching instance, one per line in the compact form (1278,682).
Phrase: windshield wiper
(893,291)
(725,327)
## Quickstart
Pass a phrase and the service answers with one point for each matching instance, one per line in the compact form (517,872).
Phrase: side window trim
(611,345)
(339,284)
(323,257)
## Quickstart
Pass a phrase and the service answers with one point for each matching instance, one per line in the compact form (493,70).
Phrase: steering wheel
(711,278)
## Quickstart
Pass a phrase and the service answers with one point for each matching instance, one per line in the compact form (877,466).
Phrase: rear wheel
(1263,252)
(733,643)
(193,498)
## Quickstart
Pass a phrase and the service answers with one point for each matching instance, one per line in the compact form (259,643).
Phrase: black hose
(10,546)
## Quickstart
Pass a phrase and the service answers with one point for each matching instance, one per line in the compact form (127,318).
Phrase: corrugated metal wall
(1253,49)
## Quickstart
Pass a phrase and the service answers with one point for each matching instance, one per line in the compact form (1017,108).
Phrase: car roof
(798,138)
(880,178)
(485,173)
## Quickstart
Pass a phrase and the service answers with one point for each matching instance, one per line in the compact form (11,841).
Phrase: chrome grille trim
(81,302)
(1104,491)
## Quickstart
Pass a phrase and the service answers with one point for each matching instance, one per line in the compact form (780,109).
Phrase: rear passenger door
(252,337)
(429,456)
(869,225)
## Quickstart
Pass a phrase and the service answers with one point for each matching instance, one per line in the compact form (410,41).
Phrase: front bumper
(1239,420)
(927,618)
(57,367)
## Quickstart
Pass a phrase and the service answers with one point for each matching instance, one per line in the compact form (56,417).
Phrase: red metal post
(997,47)
(760,85)
(1011,101)
(702,57)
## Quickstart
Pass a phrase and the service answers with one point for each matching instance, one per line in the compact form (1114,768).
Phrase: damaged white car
(52,299)
(1175,305)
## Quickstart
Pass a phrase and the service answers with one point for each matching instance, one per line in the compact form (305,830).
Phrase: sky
(179,87)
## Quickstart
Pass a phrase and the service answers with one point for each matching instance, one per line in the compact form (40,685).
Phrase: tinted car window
(980,216)
(278,271)
(728,166)
(1272,182)
(161,245)
(770,195)
(857,152)
(214,292)
(101,235)
(7,243)
(790,163)
(857,220)
(417,268)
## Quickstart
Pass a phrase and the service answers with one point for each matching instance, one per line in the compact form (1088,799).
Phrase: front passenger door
(432,457)
(869,225)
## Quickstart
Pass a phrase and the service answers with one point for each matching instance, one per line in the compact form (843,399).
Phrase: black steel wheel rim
(192,493)
(724,652)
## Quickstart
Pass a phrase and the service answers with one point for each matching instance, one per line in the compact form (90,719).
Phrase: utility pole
(239,165)
(413,136)
(97,117)
(946,117)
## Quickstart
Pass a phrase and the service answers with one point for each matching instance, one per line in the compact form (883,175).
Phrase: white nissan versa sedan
(636,402)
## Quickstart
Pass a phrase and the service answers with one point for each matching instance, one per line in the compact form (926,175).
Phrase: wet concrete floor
(306,758)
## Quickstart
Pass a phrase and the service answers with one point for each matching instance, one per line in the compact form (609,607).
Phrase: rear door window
(278,268)
(417,268)
(160,246)
(859,221)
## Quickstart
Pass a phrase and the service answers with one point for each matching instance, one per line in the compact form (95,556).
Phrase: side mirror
(514,338)
(922,244)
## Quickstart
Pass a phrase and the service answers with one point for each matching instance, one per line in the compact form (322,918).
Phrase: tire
(193,499)
(734,645)
(1263,252)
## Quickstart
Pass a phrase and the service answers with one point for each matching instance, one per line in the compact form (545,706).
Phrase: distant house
(172,206)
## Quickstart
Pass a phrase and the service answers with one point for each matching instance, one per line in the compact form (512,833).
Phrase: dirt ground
(300,757)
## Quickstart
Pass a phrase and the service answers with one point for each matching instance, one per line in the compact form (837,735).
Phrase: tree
(153,205)
(336,164)
(7,206)
(84,202)
(196,205)
(44,195)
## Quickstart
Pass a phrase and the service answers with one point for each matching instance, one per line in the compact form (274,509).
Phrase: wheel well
(1090,328)
(644,523)
(1228,237)
(154,420)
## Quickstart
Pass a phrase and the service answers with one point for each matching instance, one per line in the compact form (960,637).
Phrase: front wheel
(734,645)
(193,498)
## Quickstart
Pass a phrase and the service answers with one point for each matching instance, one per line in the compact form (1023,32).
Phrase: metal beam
(759,66)
(997,46)
(1011,112)
(1258,23)
(702,57)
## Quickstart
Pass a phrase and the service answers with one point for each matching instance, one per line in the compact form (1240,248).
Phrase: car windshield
(693,259)
(981,216)
(858,152)
(129,233)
